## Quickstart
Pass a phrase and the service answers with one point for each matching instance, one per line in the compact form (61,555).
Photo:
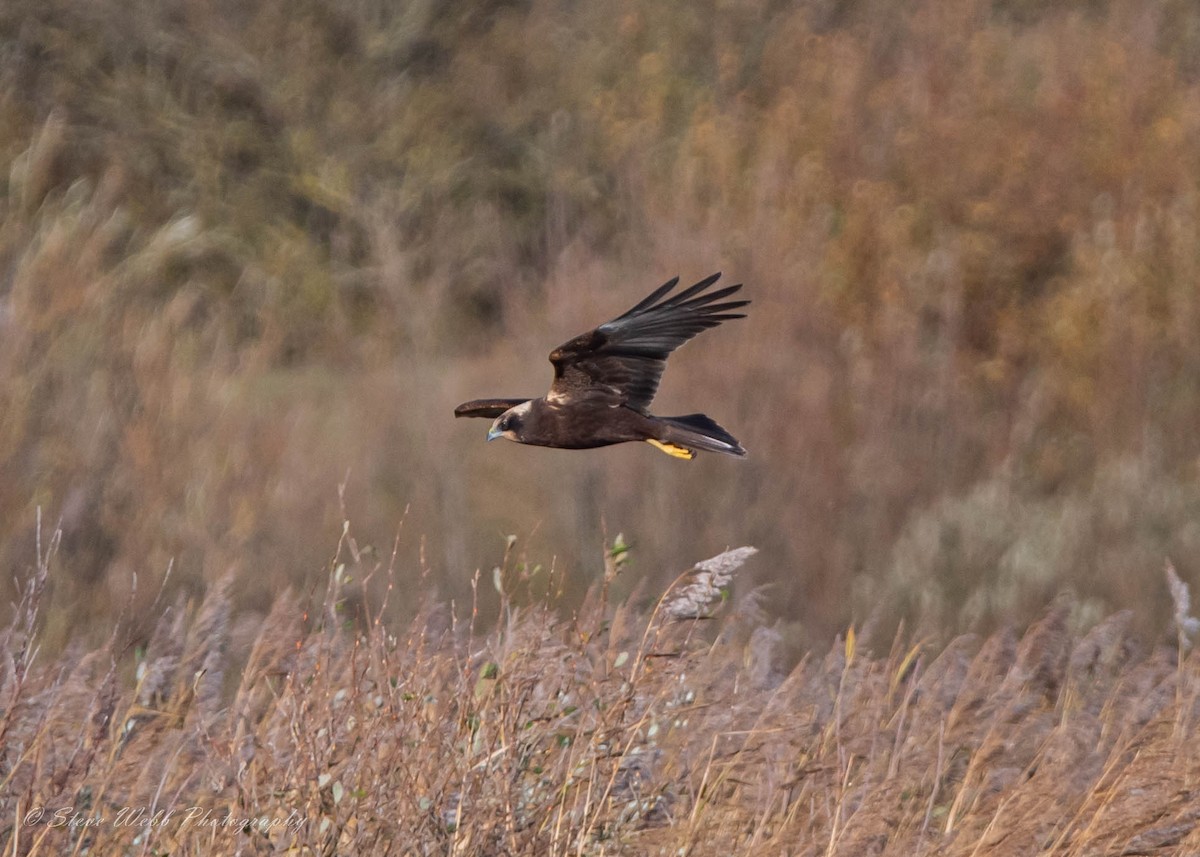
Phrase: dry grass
(616,731)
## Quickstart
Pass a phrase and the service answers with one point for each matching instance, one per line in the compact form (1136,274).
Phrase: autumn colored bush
(251,255)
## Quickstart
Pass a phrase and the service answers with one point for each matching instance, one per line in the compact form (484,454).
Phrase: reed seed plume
(1187,625)
(695,591)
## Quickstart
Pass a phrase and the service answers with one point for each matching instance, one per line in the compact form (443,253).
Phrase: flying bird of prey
(604,381)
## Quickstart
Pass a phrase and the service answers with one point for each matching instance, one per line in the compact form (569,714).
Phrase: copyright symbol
(35,815)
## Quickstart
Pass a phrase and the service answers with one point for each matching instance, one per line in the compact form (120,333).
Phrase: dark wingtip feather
(652,297)
(693,293)
(726,306)
(693,298)
(486,408)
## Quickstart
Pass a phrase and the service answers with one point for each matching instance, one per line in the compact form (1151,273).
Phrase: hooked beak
(494,433)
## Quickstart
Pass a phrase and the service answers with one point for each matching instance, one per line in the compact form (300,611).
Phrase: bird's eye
(504,424)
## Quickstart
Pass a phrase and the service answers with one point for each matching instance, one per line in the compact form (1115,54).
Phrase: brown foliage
(250,252)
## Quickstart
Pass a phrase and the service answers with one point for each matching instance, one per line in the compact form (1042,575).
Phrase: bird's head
(509,423)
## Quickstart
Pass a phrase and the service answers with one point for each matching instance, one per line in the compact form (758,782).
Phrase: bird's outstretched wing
(621,361)
(490,408)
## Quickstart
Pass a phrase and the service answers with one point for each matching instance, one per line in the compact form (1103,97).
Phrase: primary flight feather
(604,380)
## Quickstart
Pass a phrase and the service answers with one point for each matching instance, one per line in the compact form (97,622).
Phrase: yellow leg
(672,449)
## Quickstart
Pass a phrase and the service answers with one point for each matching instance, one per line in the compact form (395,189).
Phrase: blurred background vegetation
(252,252)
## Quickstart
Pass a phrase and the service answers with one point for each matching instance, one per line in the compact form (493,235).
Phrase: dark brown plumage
(604,381)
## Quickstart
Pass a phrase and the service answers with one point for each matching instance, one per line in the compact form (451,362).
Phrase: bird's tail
(696,431)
